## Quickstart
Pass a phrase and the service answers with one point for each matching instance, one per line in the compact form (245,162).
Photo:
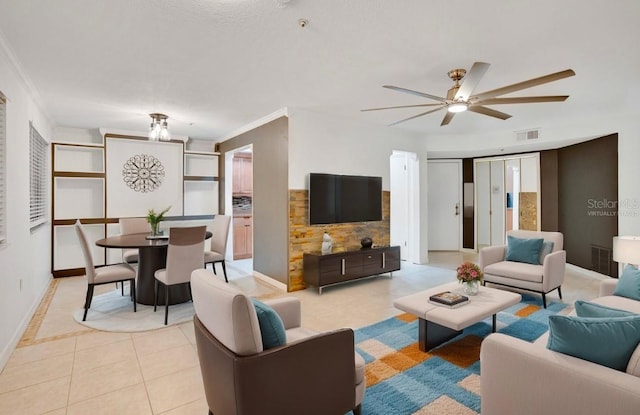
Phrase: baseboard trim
(22,327)
(587,272)
(270,281)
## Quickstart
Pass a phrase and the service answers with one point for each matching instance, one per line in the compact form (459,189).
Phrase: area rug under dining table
(401,379)
(113,311)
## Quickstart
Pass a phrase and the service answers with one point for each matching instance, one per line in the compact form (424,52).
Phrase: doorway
(239,166)
(444,207)
(405,204)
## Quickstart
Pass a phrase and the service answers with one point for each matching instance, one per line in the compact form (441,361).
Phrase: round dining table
(152,256)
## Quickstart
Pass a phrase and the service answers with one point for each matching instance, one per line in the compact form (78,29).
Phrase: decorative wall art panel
(143,175)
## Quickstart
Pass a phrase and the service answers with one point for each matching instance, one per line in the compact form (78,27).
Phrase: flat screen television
(339,198)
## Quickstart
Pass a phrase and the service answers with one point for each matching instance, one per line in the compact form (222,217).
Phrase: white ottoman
(439,324)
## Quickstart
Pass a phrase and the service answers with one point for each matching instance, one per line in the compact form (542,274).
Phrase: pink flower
(468,271)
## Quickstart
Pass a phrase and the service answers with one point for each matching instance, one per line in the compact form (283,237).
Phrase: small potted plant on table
(154,220)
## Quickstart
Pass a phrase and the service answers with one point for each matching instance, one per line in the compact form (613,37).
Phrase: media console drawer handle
(384,260)
(343,266)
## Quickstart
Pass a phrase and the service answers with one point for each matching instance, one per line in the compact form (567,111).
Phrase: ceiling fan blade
(471,80)
(447,118)
(523,100)
(412,92)
(416,116)
(488,111)
(525,84)
(400,106)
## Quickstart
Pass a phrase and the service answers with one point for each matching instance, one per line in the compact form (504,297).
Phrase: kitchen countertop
(242,213)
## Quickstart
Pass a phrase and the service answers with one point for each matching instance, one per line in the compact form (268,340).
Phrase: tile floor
(61,367)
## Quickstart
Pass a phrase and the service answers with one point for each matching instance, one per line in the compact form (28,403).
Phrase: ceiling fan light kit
(460,99)
(457,107)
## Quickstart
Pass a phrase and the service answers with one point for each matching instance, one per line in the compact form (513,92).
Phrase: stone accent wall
(346,236)
(528,211)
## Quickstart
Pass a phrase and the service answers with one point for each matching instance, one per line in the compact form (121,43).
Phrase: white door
(405,206)
(482,182)
(498,203)
(444,205)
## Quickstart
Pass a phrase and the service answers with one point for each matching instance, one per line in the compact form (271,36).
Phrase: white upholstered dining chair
(219,238)
(129,226)
(184,255)
(102,275)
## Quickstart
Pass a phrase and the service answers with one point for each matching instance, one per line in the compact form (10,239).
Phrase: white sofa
(538,278)
(525,378)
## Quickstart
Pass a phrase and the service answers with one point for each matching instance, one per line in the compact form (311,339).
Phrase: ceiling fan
(459,97)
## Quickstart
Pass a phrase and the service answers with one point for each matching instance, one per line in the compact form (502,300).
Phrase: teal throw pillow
(608,341)
(547,247)
(271,326)
(524,250)
(629,283)
(586,309)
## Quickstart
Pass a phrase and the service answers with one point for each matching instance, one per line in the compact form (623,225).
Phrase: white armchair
(531,277)
(312,374)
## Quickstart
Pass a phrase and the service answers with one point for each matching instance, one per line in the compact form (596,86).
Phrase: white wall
(321,143)
(25,256)
(627,126)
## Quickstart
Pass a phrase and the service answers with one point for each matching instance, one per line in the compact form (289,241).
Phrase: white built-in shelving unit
(79,178)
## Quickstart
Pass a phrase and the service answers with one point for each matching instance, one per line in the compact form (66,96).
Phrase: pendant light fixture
(159,129)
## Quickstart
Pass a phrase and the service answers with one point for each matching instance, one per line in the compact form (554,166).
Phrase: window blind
(38,177)
(3,138)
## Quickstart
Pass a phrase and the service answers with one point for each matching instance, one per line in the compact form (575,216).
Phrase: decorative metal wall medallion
(143,173)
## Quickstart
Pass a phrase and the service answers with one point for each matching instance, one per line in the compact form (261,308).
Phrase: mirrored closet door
(507,196)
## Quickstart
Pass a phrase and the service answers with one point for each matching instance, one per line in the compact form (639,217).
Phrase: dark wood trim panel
(200,179)
(84,221)
(97,221)
(96,146)
(549,190)
(71,272)
(81,175)
(200,153)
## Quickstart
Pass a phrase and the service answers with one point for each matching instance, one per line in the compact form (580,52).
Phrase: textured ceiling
(216,65)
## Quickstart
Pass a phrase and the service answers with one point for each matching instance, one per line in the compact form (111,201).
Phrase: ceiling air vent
(525,135)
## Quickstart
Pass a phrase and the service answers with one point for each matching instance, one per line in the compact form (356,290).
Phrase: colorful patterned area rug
(403,380)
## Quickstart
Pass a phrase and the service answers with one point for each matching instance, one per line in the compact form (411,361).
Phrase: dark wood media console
(335,268)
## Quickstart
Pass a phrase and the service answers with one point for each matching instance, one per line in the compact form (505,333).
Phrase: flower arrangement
(154,219)
(468,272)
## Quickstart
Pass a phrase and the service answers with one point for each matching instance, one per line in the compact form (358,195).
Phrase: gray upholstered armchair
(542,277)
(313,373)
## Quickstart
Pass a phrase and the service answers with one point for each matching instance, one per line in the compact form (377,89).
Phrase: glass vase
(155,229)
(471,287)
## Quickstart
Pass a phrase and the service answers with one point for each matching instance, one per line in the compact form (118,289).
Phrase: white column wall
(322,143)
(25,256)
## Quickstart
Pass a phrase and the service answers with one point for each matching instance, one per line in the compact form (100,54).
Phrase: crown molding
(104,131)
(283,112)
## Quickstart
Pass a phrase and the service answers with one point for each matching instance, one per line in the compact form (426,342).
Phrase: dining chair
(103,275)
(184,255)
(219,238)
(129,226)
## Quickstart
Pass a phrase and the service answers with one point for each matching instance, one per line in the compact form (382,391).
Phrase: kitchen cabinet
(242,237)
(242,174)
